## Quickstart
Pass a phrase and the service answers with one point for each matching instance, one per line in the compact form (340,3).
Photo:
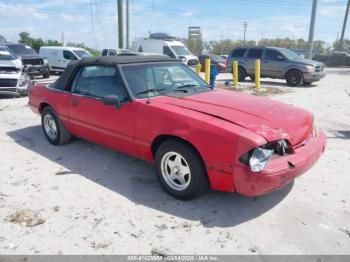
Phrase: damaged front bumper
(14,84)
(280,171)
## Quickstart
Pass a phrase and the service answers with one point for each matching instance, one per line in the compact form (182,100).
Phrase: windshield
(180,50)
(22,50)
(82,53)
(290,55)
(149,80)
(6,54)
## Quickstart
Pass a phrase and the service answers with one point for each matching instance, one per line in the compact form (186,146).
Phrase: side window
(69,55)
(104,52)
(167,51)
(238,52)
(112,52)
(273,55)
(99,81)
(254,53)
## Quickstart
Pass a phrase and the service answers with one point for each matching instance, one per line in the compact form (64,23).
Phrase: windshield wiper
(187,85)
(151,90)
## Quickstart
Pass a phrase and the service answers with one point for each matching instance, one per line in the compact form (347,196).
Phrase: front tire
(294,78)
(53,128)
(46,75)
(180,170)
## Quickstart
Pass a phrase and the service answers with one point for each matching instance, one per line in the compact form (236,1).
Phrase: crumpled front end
(13,81)
(281,169)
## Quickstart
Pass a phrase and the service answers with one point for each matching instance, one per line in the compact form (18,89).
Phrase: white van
(59,57)
(163,44)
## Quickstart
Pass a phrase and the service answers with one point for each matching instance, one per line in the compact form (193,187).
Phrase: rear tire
(180,170)
(294,78)
(242,74)
(53,128)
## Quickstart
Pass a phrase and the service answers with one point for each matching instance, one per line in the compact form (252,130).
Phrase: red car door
(91,119)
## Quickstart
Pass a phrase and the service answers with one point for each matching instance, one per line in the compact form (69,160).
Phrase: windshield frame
(132,94)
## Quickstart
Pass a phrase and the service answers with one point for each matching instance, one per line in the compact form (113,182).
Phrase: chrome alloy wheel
(175,171)
(50,126)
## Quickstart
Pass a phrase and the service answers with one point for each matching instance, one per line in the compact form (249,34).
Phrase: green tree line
(225,46)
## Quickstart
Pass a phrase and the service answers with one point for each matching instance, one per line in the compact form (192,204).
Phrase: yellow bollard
(207,71)
(198,69)
(235,73)
(257,73)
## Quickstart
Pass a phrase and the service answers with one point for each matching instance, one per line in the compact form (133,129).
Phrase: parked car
(157,109)
(215,60)
(160,43)
(13,78)
(279,63)
(336,58)
(36,64)
(59,57)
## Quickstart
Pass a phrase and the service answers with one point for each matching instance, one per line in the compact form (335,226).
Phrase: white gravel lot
(92,200)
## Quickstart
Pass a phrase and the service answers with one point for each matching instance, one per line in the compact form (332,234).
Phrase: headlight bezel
(269,150)
(309,69)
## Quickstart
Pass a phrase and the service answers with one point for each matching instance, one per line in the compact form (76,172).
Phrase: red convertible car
(157,109)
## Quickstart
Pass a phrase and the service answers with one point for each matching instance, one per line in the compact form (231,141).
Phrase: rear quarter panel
(41,95)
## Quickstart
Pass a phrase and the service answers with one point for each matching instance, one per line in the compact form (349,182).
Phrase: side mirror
(111,100)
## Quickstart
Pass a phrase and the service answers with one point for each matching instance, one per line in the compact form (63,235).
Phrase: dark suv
(35,63)
(280,63)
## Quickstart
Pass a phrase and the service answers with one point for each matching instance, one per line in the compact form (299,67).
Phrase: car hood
(29,56)
(271,119)
(308,62)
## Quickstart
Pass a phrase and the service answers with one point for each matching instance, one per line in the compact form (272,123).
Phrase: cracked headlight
(259,159)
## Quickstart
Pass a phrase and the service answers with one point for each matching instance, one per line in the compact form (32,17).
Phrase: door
(273,63)
(91,119)
(252,55)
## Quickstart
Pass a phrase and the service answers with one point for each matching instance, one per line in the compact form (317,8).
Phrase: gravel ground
(85,199)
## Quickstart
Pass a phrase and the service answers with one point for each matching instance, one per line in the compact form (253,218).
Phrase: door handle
(75,102)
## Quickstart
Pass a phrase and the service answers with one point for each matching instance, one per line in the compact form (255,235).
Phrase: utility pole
(344,26)
(120,24)
(62,38)
(312,29)
(245,25)
(127,24)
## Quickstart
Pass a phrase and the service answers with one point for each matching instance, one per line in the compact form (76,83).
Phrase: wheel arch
(160,139)
(42,106)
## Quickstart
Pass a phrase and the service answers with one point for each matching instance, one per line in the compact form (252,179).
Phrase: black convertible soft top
(62,82)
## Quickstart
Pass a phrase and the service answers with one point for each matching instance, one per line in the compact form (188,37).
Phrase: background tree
(36,43)
(93,51)
(2,40)
(346,45)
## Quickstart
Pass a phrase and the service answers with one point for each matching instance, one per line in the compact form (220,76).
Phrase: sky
(94,22)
